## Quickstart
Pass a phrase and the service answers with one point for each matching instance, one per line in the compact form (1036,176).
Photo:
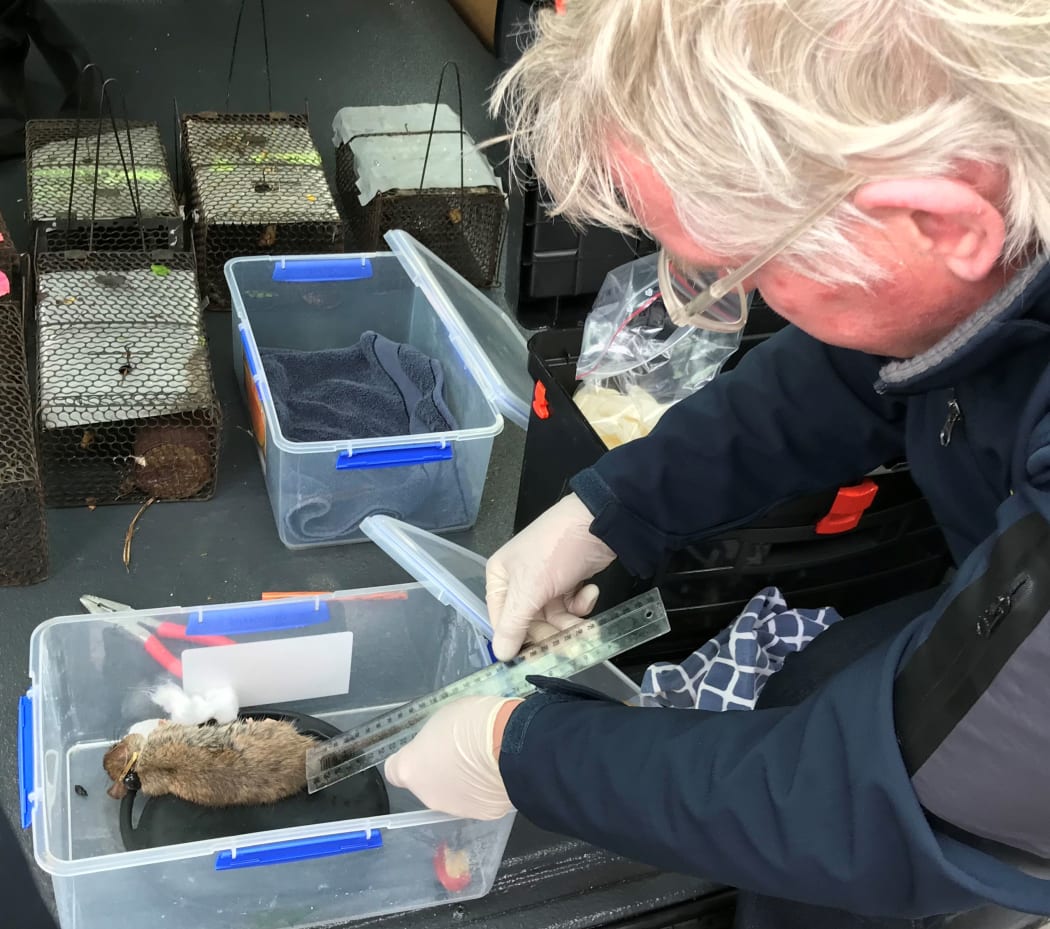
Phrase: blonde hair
(750,111)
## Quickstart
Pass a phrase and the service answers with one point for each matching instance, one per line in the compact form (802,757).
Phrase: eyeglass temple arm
(735,278)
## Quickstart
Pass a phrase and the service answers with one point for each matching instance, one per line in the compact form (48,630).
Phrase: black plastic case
(895,549)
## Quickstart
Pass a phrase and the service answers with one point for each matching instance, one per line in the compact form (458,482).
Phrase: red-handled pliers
(150,634)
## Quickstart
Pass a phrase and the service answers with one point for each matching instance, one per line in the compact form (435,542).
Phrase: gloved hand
(533,581)
(452,764)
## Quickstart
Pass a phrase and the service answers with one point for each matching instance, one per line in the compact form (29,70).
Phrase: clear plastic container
(90,683)
(320,492)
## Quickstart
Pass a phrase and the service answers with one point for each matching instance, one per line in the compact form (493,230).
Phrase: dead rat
(242,763)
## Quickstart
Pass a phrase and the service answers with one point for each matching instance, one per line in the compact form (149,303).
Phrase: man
(22,22)
(880,171)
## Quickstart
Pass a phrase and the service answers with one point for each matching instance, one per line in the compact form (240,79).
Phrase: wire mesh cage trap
(23,524)
(463,225)
(254,185)
(89,188)
(11,267)
(127,409)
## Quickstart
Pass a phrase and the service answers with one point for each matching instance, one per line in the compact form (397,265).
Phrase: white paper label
(276,671)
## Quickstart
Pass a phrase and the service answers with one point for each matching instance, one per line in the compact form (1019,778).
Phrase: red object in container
(452,868)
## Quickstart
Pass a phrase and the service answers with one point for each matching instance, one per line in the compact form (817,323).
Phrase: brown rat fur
(246,762)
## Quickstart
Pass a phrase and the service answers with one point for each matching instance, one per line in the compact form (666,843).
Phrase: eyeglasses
(717,302)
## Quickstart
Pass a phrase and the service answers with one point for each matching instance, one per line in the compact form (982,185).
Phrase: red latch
(849,506)
(539,401)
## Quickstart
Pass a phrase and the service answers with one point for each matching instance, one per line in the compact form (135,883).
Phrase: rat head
(119,763)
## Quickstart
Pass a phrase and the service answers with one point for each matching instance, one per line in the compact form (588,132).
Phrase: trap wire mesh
(101,186)
(10,267)
(126,405)
(255,185)
(464,227)
(23,525)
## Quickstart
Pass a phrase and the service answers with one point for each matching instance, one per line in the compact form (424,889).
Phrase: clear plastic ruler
(584,645)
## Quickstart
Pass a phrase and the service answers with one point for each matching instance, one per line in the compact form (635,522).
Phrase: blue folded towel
(373,389)
(428,496)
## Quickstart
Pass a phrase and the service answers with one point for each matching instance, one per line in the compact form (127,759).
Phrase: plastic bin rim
(136,614)
(273,426)
(255,259)
(118,861)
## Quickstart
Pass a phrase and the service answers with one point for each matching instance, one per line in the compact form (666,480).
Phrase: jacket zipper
(954,420)
(954,415)
(1000,607)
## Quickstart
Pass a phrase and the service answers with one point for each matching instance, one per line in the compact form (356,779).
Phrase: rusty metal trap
(100,190)
(126,401)
(23,524)
(376,165)
(253,184)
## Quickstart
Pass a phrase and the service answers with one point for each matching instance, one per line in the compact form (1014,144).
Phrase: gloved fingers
(507,637)
(540,630)
(513,623)
(400,773)
(451,765)
(392,769)
(560,614)
(583,601)
(546,562)
(567,611)
(496,586)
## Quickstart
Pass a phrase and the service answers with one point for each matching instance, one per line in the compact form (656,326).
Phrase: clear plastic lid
(488,338)
(452,574)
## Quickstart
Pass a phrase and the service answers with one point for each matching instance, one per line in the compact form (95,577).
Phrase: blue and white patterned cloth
(729,671)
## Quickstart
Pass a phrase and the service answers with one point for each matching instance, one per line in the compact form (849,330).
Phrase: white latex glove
(533,582)
(452,764)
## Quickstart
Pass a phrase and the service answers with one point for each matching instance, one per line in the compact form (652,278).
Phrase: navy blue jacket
(810,802)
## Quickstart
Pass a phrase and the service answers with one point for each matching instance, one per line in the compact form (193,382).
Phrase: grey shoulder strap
(971,704)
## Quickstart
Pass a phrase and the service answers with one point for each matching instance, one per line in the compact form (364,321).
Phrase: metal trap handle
(433,123)
(130,177)
(430,133)
(266,54)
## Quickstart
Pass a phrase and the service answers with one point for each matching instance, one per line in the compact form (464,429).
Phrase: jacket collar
(1005,321)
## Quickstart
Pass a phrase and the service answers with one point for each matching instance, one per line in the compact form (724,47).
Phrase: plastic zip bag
(635,362)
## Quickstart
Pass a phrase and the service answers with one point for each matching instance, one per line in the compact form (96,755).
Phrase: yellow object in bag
(616,416)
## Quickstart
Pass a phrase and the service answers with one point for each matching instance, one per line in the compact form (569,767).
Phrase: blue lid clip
(25,757)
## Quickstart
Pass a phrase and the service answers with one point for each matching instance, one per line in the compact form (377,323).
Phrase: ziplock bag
(635,362)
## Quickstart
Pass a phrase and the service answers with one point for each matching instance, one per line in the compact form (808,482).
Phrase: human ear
(950,219)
